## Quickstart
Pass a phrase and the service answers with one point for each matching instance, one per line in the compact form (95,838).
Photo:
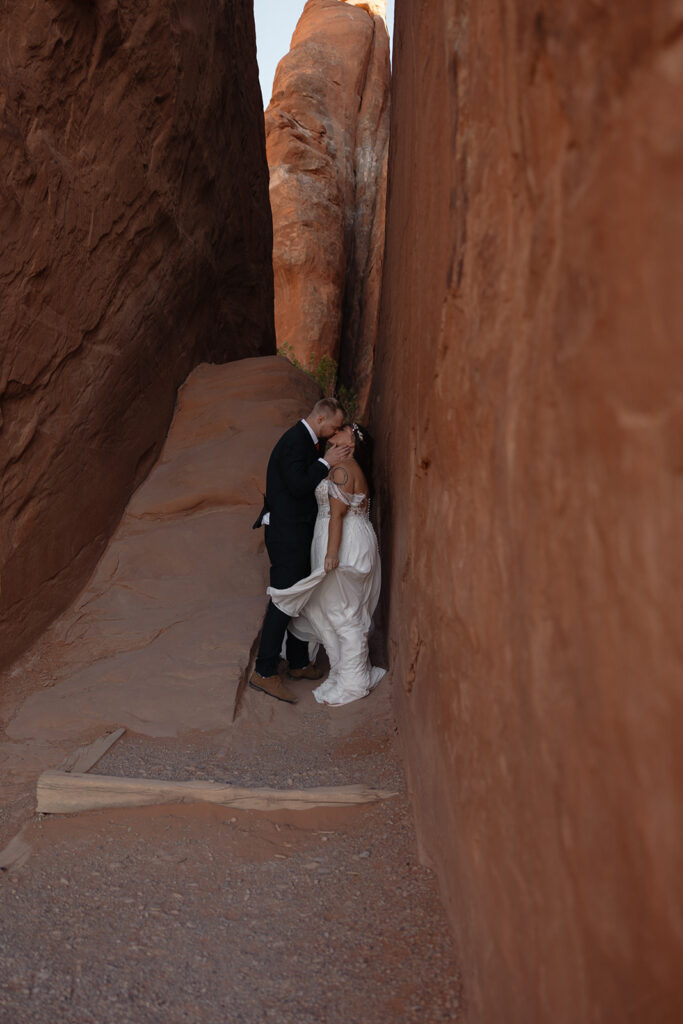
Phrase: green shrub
(325,372)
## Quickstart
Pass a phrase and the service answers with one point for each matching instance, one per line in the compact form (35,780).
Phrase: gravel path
(205,914)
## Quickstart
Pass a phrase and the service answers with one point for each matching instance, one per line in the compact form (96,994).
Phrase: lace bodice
(357,504)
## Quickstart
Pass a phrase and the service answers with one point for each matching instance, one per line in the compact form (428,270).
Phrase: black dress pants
(290,561)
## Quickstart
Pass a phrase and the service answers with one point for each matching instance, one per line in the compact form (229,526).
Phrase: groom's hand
(338,453)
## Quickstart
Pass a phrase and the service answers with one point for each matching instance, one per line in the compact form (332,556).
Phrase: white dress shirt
(266,519)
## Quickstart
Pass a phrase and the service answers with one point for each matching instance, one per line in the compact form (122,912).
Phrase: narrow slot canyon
(464,221)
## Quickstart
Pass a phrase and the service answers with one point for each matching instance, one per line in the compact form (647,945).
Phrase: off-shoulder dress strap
(350,500)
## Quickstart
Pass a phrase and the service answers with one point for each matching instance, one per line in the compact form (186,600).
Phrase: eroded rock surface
(327,130)
(160,638)
(135,242)
(529,397)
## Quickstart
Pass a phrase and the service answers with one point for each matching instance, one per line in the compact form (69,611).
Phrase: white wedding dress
(335,608)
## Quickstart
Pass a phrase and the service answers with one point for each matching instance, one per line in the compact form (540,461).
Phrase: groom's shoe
(309,672)
(273,686)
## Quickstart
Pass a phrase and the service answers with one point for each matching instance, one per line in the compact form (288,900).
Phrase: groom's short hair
(327,407)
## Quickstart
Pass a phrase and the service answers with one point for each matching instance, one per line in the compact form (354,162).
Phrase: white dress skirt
(336,608)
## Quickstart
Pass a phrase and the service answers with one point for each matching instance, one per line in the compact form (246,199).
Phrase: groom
(295,469)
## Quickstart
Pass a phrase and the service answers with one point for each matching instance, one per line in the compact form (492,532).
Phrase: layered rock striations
(135,241)
(160,638)
(529,394)
(327,130)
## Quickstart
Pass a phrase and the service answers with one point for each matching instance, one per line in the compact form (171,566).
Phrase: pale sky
(275,24)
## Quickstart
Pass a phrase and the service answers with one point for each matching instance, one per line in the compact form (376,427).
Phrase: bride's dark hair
(363,451)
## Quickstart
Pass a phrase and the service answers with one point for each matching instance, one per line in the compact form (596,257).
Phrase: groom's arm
(302,471)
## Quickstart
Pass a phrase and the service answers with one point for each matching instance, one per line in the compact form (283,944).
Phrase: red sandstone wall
(529,401)
(135,241)
(327,134)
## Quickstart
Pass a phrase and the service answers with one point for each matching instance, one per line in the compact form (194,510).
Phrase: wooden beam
(67,792)
(83,759)
(15,853)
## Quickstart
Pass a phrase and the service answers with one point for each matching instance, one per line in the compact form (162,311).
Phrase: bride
(334,605)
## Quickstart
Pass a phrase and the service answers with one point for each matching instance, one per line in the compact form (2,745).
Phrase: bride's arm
(334,535)
(337,512)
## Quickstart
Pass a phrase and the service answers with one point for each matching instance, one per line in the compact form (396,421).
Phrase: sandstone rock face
(529,397)
(160,639)
(327,130)
(135,241)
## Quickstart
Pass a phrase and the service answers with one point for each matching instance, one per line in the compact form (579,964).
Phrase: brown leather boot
(309,672)
(273,686)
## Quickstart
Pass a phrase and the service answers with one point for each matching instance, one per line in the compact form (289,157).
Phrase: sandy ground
(206,914)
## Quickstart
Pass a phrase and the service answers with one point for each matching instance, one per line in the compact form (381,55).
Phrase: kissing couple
(324,560)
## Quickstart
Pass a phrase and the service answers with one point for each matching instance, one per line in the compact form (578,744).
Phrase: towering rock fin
(327,133)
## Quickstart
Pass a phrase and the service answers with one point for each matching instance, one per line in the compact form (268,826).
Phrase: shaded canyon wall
(327,131)
(135,241)
(529,398)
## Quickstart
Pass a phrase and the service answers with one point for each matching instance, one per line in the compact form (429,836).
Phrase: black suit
(294,472)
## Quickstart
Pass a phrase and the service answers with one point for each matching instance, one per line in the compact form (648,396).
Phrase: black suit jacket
(293,474)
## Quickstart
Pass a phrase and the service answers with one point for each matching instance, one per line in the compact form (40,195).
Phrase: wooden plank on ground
(15,853)
(67,792)
(83,759)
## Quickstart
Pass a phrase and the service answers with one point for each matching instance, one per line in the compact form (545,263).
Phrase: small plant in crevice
(325,372)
